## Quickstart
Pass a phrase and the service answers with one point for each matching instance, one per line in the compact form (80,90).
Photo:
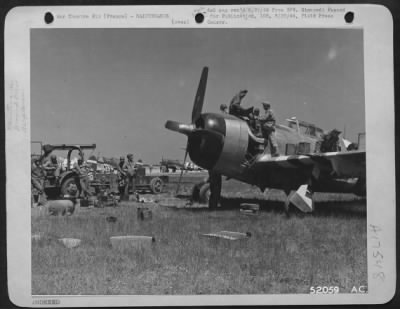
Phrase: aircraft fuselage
(232,144)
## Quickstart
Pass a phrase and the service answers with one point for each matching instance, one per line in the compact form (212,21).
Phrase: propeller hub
(180,127)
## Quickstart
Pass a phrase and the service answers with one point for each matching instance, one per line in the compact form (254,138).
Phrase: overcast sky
(117,87)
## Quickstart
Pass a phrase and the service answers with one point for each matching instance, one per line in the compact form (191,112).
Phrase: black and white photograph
(198,161)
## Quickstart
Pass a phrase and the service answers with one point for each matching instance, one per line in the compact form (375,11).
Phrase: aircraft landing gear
(302,199)
(215,190)
(208,191)
(286,205)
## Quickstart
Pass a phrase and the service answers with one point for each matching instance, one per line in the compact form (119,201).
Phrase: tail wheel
(156,185)
(204,194)
(66,184)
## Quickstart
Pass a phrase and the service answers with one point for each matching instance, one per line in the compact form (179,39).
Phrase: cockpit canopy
(305,128)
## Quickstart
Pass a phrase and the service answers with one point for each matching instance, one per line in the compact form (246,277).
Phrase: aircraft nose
(205,144)
(214,123)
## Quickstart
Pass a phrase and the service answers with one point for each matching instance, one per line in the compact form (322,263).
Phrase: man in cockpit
(236,109)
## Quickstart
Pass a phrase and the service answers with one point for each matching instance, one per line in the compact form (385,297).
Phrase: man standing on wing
(268,122)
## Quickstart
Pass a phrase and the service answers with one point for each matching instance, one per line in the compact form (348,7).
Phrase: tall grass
(283,255)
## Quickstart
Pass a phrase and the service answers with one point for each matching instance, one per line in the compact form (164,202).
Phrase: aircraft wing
(339,164)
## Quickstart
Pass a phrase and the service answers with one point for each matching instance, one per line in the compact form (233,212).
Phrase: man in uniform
(268,122)
(255,124)
(81,170)
(236,109)
(223,108)
(52,167)
(121,177)
(37,181)
(330,141)
(129,170)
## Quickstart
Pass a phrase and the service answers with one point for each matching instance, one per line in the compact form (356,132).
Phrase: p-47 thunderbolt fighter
(226,146)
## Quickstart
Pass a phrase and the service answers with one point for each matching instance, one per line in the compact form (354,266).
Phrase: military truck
(170,165)
(53,187)
(153,182)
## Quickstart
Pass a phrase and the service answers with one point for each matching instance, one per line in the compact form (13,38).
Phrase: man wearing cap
(223,108)
(52,167)
(236,109)
(129,170)
(330,141)
(268,122)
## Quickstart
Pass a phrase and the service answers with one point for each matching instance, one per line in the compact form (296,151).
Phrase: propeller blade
(199,99)
(179,127)
(180,176)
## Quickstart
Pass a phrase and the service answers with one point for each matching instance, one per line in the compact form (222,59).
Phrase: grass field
(283,255)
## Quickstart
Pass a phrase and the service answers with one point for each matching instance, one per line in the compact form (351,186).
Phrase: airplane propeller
(199,98)
(189,129)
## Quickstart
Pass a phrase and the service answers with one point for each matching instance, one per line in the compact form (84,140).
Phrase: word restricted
(46,302)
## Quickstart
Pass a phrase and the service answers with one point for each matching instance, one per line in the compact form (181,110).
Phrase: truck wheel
(156,185)
(65,185)
(204,194)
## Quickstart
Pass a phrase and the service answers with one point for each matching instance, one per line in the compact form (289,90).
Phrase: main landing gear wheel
(156,185)
(204,194)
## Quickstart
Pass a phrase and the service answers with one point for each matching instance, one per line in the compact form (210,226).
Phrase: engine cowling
(219,143)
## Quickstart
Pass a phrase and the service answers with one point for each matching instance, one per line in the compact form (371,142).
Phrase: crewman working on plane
(223,108)
(255,124)
(330,141)
(236,109)
(268,122)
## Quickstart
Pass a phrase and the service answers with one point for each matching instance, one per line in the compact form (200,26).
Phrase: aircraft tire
(204,194)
